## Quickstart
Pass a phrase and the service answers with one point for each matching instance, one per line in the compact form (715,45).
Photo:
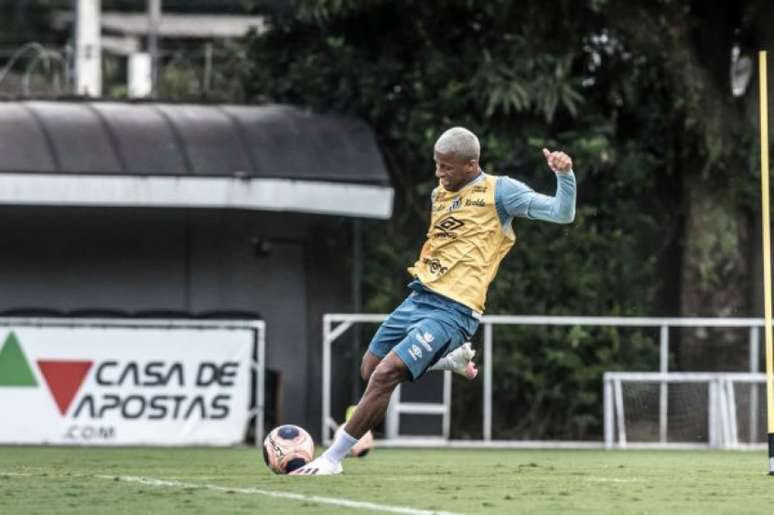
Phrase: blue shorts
(423,329)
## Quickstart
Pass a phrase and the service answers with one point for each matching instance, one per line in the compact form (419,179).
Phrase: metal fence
(334,325)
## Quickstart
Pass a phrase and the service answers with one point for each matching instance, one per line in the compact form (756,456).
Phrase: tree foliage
(617,85)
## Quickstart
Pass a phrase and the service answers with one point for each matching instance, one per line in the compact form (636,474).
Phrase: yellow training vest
(465,243)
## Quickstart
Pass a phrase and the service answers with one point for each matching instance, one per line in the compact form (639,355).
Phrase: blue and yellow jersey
(471,231)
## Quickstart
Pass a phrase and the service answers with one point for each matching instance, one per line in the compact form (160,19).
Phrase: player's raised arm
(514,198)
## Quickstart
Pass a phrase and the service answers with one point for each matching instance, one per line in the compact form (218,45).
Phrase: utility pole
(88,52)
(154,20)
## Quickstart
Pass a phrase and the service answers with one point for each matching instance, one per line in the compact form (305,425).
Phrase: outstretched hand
(558,161)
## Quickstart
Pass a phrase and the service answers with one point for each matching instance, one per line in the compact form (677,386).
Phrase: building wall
(203,260)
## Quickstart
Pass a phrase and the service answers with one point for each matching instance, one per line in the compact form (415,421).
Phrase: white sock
(444,363)
(340,447)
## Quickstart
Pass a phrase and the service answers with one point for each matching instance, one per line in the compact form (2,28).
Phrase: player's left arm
(514,198)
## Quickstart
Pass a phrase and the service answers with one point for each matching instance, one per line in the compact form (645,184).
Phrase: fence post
(733,427)
(755,342)
(447,394)
(619,412)
(326,386)
(260,380)
(712,416)
(663,405)
(392,417)
(607,410)
(488,358)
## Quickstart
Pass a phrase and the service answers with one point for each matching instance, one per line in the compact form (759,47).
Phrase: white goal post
(336,324)
(722,421)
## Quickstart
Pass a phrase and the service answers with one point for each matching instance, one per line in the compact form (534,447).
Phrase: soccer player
(470,233)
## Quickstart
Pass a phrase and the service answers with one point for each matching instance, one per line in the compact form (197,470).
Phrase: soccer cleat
(462,361)
(319,467)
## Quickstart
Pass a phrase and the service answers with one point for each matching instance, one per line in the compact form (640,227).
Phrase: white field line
(612,480)
(361,505)
(15,474)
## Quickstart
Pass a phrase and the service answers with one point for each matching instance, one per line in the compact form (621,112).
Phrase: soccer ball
(287,448)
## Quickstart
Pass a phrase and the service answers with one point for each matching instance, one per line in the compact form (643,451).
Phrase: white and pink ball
(287,448)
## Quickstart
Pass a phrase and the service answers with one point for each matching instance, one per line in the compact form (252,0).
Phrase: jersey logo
(479,202)
(447,226)
(455,205)
(435,266)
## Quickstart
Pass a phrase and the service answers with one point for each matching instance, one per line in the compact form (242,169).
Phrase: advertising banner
(124,385)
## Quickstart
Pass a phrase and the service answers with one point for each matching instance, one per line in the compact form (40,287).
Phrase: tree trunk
(715,278)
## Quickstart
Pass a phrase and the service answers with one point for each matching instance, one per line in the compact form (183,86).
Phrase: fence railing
(334,325)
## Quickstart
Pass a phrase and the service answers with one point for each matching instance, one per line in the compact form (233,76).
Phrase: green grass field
(93,480)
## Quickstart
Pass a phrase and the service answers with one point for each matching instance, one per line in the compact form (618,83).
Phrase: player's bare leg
(388,374)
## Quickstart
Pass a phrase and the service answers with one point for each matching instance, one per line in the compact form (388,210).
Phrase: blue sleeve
(514,198)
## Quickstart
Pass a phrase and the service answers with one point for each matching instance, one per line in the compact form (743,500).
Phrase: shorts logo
(425,339)
(415,352)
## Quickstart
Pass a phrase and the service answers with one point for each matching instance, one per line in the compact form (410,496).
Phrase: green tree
(713,152)
(621,87)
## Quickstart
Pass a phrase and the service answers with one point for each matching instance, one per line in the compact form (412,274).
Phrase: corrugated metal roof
(273,141)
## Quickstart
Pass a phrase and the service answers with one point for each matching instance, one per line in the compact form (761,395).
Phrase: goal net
(684,409)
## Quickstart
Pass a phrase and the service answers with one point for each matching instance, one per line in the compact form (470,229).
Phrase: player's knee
(387,375)
(366,369)
(367,366)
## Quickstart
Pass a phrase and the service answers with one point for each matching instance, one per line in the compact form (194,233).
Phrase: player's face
(452,171)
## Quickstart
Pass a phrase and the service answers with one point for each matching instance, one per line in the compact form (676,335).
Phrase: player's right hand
(558,161)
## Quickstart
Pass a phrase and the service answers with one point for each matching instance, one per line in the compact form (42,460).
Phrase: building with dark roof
(189,210)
